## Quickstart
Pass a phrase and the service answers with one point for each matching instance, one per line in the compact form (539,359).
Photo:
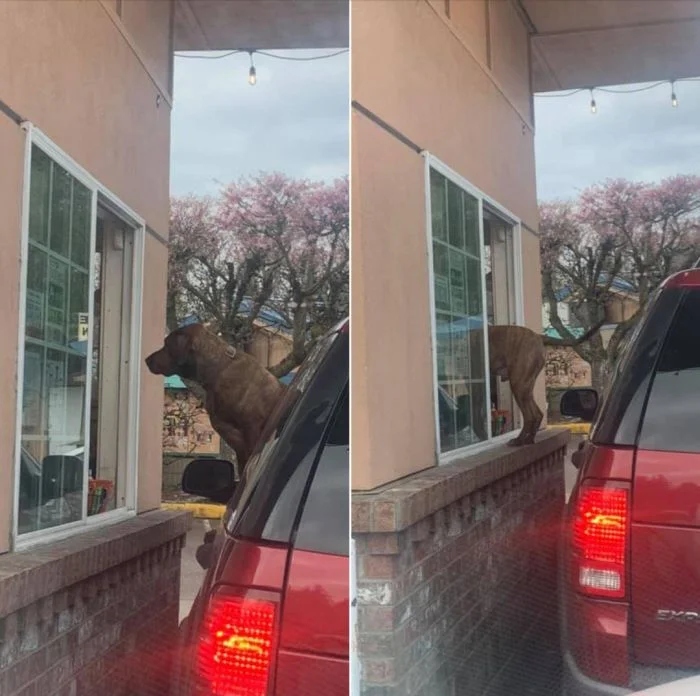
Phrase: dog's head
(177,356)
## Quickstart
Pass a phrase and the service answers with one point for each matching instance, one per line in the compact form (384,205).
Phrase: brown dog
(516,355)
(240,392)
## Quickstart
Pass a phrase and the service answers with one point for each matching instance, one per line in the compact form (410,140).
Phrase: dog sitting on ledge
(240,392)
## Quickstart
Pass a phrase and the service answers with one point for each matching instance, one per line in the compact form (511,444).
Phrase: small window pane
(437,205)
(455,215)
(60,210)
(57,302)
(474,295)
(671,417)
(39,191)
(441,276)
(37,260)
(80,227)
(458,283)
(471,224)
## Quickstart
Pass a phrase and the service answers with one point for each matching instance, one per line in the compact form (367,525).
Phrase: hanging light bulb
(252,75)
(594,106)
(674,98)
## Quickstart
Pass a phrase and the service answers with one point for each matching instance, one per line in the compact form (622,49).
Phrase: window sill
(50,535)
(31,574)
(400,504)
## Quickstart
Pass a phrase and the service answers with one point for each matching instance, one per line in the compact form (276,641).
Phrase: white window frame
(101,194)
(432,162)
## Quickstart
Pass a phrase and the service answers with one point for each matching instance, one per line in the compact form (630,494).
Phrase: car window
(267,500)
(324,525)
(619,417)
(671,417)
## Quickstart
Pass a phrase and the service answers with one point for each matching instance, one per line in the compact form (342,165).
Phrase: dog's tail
(562,342)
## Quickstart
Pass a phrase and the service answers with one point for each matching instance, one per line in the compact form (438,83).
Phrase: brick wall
(95,614)
(456,568)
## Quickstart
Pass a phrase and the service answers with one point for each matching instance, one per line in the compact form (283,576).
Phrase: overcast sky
(637,136)
(294,120)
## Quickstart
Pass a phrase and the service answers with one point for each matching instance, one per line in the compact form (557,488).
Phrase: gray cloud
(636,136)
(294,120)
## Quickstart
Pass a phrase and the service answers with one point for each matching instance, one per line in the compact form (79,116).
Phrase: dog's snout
(153,363)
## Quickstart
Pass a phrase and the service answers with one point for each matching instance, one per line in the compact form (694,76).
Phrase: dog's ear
(179,346)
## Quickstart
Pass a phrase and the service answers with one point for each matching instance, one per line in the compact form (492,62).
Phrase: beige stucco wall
(464,98)
(75,71)
(12,149)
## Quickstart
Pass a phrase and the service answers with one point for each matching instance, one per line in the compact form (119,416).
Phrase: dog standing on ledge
(516,355)
(240,392)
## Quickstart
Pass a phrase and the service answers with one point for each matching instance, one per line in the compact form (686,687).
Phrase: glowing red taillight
(600,529)
(236,647)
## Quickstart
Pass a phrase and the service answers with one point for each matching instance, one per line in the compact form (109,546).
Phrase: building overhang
(589,43)
(208,25)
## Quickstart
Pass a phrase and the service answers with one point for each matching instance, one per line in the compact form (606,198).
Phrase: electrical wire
(327,55)
(265,53)
(222,55)
(612,90)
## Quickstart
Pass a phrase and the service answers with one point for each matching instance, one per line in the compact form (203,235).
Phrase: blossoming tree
(266,242)
(617,232)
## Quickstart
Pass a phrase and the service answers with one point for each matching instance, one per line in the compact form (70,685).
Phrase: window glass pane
(60,210)
(437,205)
(39,191)
(55,363)
(109,404)
(501,310)
(461,403)
(670,420)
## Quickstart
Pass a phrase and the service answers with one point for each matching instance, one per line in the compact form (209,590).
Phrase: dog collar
(231,351)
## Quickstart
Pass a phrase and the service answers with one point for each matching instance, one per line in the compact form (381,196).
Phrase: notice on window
(83,326)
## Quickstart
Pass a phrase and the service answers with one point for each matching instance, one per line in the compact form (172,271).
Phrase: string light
(252,75)
(613,90)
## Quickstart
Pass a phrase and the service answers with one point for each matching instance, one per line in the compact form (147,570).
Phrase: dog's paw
(521,442)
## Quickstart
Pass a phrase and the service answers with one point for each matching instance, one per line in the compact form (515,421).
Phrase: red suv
(630,602)
(272,616)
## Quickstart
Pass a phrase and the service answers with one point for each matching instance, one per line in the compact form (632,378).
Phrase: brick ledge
(400,504)
(27,576)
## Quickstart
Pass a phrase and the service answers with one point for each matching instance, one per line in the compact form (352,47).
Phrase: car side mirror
(579,403)
(210,478)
